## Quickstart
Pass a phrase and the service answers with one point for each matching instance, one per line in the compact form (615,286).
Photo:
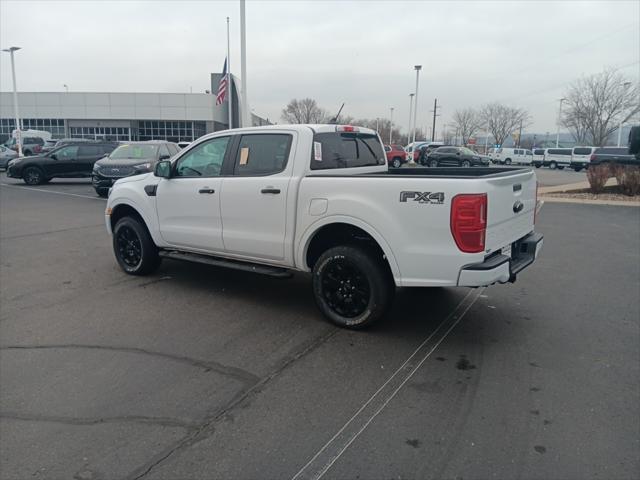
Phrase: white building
(120,116)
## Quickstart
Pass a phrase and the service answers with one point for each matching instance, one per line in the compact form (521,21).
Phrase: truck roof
(317,128)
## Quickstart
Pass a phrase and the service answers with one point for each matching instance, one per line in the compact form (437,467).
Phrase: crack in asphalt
(12,237)
(206,428)
(163,421)
(243,376)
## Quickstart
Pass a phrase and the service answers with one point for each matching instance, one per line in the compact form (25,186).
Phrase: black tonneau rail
(453,172)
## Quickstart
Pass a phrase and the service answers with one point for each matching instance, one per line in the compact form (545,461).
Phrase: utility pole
(229,84)
(391,127)
(11,51)
(435,114)
(559,118)
(415,110)
(520,135)
(410,116)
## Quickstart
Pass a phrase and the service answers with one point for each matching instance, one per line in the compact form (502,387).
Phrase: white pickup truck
(321,199)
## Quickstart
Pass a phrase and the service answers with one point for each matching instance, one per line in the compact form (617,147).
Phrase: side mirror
(457,153)
(163,169)
(164,157)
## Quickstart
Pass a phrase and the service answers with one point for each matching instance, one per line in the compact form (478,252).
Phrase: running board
(227,263)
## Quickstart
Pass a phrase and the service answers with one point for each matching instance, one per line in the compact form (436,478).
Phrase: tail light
(346,128)
(37,148)
(592,157)
(469,221)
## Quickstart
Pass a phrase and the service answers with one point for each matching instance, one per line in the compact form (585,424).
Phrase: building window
(114,134)
(171,131)
(53,125)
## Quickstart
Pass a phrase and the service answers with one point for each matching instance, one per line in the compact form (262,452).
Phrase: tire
(577,169)
(27,153)
(133,247)
(102,192)
(465,164)
(396,162)
(553,165)
(560,167)
(33,176)
(351,287)
(433,163)
(538,165)
(507,161)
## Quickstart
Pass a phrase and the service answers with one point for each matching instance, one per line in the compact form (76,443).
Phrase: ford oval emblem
(518,206)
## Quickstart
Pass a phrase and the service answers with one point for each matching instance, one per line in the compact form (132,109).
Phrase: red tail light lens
(346,128)
(592,157)
(37,148)
(469,221)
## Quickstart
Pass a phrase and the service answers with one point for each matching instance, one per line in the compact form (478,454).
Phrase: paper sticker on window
(317,151)
(244,155)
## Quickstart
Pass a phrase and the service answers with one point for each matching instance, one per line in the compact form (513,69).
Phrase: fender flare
(312,229)
(152,226)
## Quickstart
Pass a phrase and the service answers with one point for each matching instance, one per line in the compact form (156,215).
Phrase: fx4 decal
(423,197)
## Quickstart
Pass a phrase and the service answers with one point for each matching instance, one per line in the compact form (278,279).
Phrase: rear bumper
(502,268)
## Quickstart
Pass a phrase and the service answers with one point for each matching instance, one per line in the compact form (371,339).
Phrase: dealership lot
(199,372)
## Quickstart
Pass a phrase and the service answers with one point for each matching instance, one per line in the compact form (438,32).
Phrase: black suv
(69,161)
(455,157)
(131,158)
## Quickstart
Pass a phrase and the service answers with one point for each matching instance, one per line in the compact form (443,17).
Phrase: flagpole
(229,84)
(243,67)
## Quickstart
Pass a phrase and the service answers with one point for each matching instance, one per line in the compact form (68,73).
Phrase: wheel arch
(341,230)
(124,209)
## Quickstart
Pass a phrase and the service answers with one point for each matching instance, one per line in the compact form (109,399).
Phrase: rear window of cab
(346,150)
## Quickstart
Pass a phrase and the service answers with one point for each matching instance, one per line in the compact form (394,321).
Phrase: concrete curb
(617,203)
(572,186)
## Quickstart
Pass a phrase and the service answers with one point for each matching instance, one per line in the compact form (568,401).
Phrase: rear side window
(582,151)
(262,154)
(89,151)
(559,151)
(612,151)
(346,150)
(538,152)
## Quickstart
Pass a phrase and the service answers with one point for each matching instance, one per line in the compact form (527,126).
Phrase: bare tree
(577,127)
(305,110)
(467,121)
(597,105)
(502,120)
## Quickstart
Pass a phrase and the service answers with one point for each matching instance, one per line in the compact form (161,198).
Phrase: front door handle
(207,190)
(270,190)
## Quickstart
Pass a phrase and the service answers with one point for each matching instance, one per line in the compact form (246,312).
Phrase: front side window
(582,151)
(346,150)
(204,160)
(262,154)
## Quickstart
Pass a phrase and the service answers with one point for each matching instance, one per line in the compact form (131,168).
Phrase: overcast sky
(359,52)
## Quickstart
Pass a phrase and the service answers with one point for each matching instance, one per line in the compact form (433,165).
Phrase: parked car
(321,199)
(455,157)
(183,144)
(395,155)
(538,157)
(30,145)
(64,141)
(580,157)
(618,155)
(48,145)
(68,161)
(413,150)
(132,158)
(6,155)
(508,156)
(557,158)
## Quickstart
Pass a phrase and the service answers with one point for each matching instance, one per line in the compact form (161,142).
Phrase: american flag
(222,86)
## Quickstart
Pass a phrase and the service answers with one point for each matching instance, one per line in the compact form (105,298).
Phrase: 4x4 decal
(423,197)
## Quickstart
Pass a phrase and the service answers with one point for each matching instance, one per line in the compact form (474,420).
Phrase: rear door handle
(270,190)
(207,190)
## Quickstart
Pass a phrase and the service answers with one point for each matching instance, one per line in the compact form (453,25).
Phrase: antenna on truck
(334,120)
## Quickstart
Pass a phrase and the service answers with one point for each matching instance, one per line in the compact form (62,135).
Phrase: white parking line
(338,444)
(33,189)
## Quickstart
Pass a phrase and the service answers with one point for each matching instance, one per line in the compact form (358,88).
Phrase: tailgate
(510,208)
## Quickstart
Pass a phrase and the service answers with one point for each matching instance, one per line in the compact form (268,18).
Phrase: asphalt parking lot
(200,372)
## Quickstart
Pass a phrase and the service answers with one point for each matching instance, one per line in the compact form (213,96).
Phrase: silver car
(6,154)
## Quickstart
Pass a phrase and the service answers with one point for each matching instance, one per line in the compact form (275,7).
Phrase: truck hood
(135,178)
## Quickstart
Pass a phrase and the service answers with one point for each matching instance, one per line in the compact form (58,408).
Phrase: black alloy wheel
(33,176)
(134,248)
(466,163)
(433,163)
(352,287)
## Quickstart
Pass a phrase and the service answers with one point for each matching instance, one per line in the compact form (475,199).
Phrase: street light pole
(11,50)
(391,126)
(415,110)
(625,85)
(243,66)
(559,118)
(410,116)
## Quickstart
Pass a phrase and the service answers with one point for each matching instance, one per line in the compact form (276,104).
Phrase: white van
(538,157)
(581,156)
(43,134)
(557,158)
(507,156)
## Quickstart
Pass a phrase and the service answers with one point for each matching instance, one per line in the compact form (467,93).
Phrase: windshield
(467,151)
(136,151)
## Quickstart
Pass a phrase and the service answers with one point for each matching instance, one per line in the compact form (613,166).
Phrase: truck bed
(439,172)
